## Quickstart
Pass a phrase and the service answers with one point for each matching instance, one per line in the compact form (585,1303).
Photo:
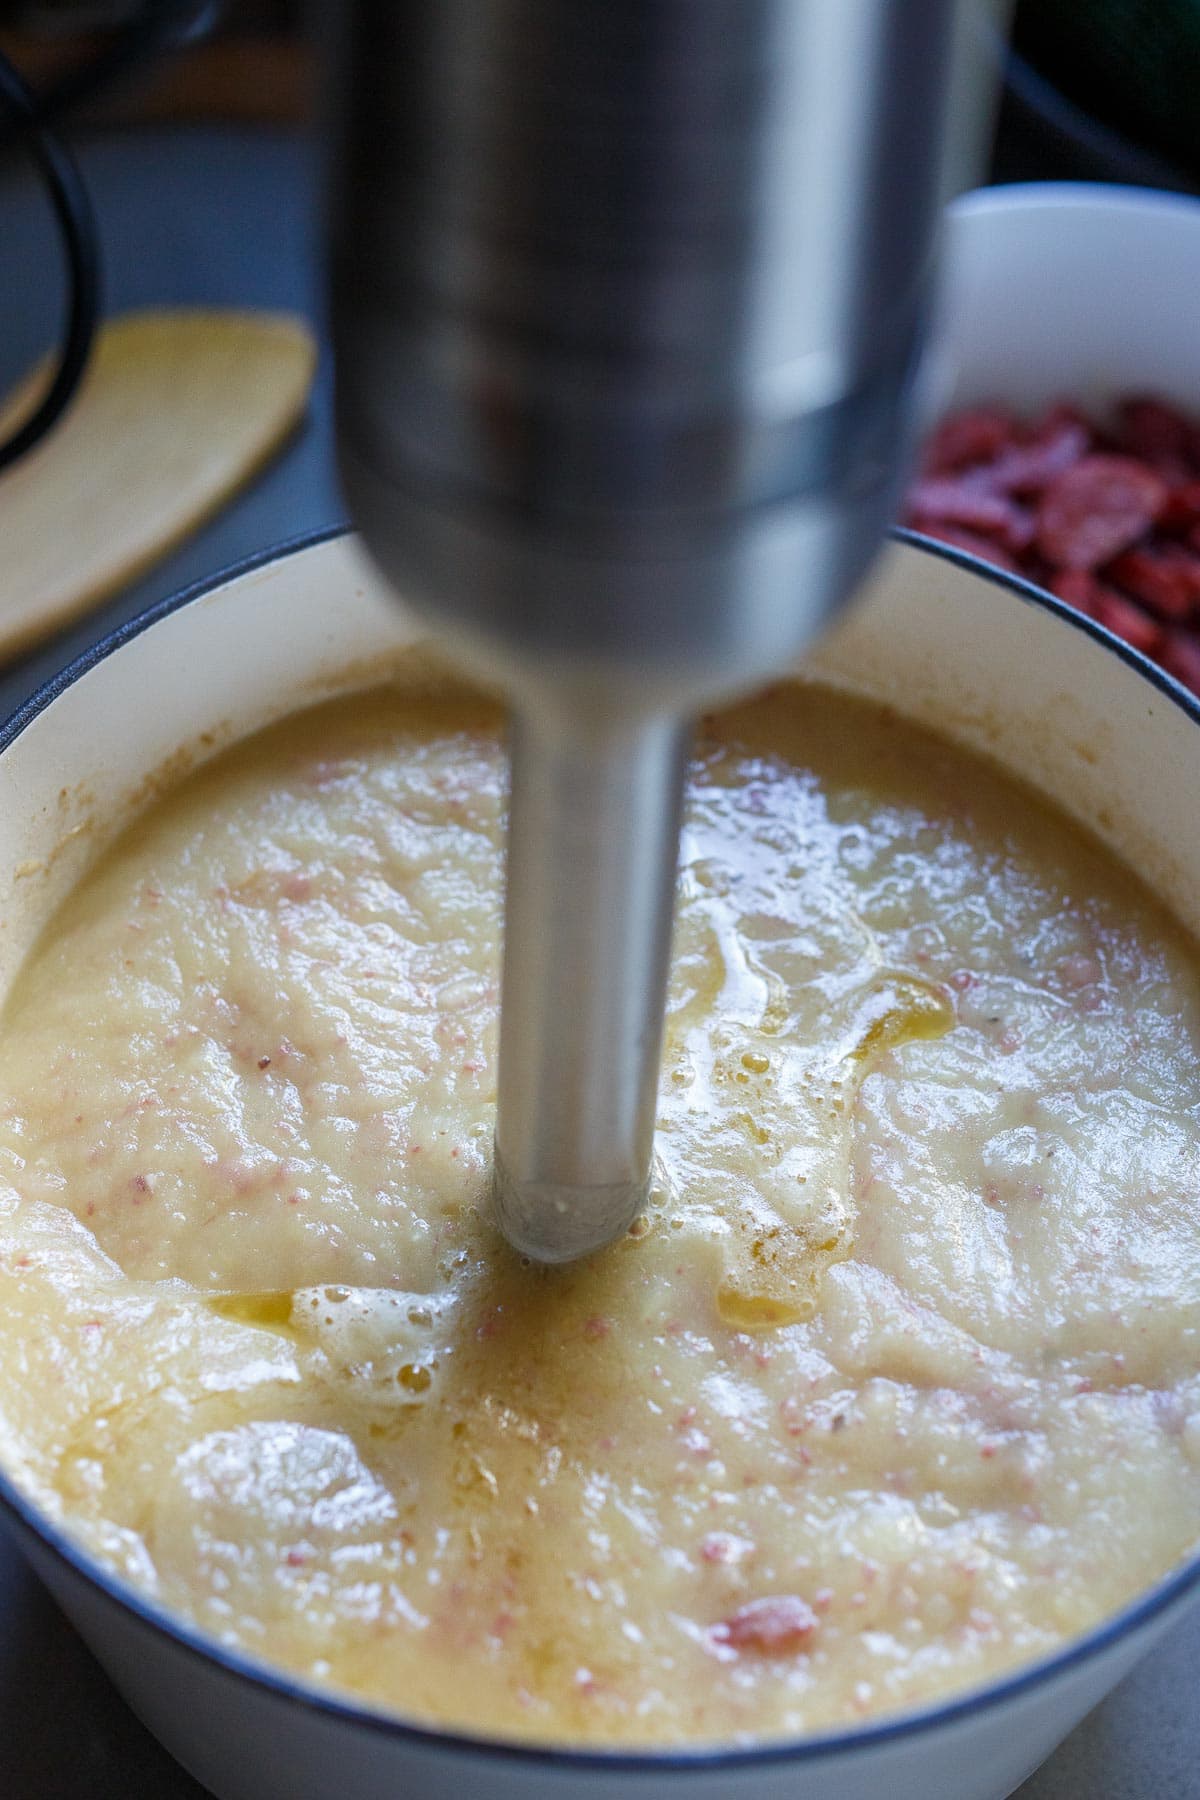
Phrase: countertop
(206,215)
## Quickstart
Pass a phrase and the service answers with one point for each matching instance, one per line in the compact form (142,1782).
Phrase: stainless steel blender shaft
(628,297)
(592,844)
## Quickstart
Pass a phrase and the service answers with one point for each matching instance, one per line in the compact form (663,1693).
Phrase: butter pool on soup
(896,1384)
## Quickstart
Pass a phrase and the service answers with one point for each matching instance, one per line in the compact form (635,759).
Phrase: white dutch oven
(981,657)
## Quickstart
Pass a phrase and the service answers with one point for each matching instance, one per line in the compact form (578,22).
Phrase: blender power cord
(26,122)
(81,248)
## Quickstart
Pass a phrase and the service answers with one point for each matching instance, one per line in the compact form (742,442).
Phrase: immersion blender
(629,298)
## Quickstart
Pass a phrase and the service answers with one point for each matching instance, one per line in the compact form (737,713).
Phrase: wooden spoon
(177,410)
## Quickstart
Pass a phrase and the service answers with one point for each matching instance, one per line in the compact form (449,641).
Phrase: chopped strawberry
(1115,530)
(961,500)
(1078,587)
(975,436)
(1096,509)
(1183,506)
(1162,585)
(1181,658)
(1128,621)
(1027,469)
(1153,431)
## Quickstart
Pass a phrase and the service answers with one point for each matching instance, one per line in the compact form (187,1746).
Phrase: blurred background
(198,151)
(1096,90)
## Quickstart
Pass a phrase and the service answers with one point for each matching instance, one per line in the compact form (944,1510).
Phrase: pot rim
(1110,199)
(1149,1606)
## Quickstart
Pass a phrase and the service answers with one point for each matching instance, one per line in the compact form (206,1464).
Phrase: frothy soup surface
(897,1383)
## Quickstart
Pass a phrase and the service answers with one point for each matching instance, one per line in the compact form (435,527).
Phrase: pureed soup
(896,1384)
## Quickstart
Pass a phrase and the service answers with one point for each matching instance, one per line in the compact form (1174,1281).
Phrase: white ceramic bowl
(983,658)
(1069,290)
